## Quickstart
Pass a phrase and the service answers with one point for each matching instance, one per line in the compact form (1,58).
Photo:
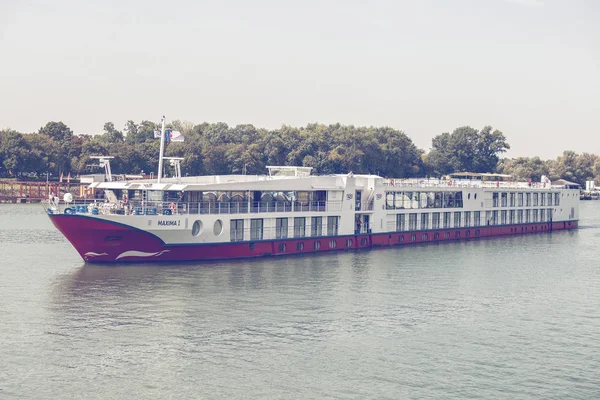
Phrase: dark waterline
(514,317)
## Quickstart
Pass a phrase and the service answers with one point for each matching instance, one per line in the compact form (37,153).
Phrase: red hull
(99,241)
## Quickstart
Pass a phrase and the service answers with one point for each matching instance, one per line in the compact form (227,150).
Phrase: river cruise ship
(290,211)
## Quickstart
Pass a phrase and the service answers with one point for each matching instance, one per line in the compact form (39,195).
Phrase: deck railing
(140,207)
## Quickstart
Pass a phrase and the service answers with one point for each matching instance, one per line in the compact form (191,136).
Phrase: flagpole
(162,149)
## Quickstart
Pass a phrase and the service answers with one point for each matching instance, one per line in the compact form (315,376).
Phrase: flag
(61,176)
(175,136)
(156,134)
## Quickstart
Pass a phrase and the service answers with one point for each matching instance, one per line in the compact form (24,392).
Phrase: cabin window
(549,202)
(218,227)
(477,233)
(316,226)
(520,199)
(400,238)
(197,228)
(400,222)
(542,215)
(281,247)
(511,217)
(317,245)
(436,236)
(236,230)
(281,228)
(535,199)
(512,199)
(435,220)
(256,229)
(527,218)
(299,227)
(299,246)
(424,221)
(519,216)
(349,243)
(447,235)
(527,199)
(535,216)
(494,217)
(504,200)
(332,225)
(413,237)
(424,236)
(556,199)
(457,234)
(332,244)
(542,199)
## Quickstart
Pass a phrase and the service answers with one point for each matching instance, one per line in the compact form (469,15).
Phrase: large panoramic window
(447,217)
(504,200)
(557,199)
(520,199)
(281,228)
(495,197)
(435,220)
(425,221)
(412,222)
(457,222)
(527,199)
(476,218)
(535,200)
(467,220)
(400,222)
(299,226)
(256,229)
(236,230)
(316,226)
(332,225)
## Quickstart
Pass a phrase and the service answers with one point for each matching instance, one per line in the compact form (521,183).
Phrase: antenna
(162,149)
(104,162)
(176,162)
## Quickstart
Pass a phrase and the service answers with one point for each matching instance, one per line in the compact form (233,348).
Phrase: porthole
(413,238)
(197,228)
(299,246)
(281,247)
(218,227)
(477,232)
(363,241)
(436,235)
(251,246)
(475,196)
(317,245)
(468,233)
(457,234)
(400,238)
(349,243)
(469,196)
(447,235)
(332,244)
(424,237)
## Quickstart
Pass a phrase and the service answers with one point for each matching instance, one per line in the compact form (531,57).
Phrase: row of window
(527,199)
(461,219)
(237,232)
(401,200)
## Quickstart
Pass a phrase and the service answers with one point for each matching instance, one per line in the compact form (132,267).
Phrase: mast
(162,149)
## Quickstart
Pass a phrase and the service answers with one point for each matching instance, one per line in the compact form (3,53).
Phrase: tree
(466,149)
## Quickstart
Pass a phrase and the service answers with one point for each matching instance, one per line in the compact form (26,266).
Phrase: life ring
(172,207)
(69,211)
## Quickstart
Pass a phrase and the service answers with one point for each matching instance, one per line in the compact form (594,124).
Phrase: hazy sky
(530,68)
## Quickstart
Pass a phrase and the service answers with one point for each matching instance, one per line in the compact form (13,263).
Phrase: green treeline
(220,149)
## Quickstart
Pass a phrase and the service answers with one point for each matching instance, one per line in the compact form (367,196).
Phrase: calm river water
(505,318)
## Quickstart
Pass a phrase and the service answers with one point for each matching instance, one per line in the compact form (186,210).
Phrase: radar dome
(68,198)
